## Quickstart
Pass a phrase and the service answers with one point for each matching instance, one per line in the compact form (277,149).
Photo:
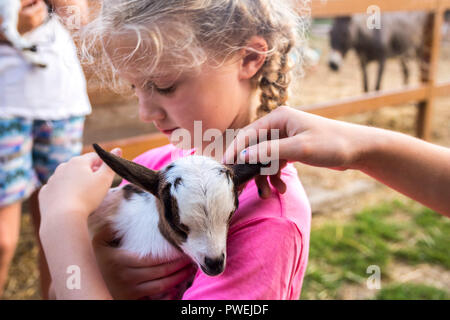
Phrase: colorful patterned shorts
(30,151)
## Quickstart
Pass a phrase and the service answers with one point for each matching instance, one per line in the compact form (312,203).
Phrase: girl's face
(219,97)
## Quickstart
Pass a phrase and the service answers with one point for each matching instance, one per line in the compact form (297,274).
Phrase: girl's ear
(254,57)
(136,174)
(242,173)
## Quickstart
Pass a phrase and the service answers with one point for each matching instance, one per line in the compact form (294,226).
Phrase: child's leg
(17,182)
(55,142)
(9,236)
(44,272)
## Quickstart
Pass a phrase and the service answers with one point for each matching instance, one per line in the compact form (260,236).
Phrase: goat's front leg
(10,19)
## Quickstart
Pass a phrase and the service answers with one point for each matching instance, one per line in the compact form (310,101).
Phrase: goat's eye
(227,174)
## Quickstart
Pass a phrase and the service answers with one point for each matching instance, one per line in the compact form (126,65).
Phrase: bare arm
(418,169)
(66,244)
(65,206)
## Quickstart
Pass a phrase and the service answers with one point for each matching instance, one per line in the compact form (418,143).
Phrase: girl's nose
(149,114)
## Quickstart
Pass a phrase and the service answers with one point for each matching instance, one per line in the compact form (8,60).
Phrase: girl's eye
(166,91)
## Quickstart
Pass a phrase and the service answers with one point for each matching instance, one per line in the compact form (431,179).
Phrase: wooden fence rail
(424,94)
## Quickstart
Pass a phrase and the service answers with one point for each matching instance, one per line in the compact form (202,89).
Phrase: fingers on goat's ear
(242,173)
(139,175)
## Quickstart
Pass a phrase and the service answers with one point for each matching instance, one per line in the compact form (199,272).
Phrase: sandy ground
(333,194)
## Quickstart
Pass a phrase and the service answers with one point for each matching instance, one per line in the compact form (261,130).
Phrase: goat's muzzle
(214,266)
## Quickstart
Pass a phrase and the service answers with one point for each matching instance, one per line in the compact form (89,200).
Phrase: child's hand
(303,137)
(129,277)
(78,187)
(32,15)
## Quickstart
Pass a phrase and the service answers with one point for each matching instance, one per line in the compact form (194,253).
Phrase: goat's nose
(334,66)
(215,266)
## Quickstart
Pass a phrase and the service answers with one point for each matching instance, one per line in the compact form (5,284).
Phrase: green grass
(341,252)
(411,292)
(432,240)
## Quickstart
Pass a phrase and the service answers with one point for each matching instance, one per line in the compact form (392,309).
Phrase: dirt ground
(334,195)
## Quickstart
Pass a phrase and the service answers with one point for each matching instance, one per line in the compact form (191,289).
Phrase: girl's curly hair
(187,33)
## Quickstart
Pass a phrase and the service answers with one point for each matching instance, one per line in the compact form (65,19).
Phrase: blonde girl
(221,62)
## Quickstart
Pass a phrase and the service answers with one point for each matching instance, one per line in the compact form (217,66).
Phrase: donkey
(400,36)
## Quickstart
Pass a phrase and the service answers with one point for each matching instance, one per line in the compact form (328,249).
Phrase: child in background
(41,118)
(188,61)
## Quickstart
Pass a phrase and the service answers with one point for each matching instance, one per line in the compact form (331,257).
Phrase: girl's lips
(168,132)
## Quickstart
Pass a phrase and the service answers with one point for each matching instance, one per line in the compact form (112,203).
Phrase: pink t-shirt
(268,241)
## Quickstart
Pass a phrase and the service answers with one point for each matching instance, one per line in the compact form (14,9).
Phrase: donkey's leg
(363,62)
(405,70)
(381,65)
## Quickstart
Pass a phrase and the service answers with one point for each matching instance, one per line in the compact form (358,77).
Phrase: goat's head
(197,197)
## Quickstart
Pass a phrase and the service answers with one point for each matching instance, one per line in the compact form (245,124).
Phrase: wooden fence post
(429,62)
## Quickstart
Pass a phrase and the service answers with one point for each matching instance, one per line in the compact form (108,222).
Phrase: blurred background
(357,222)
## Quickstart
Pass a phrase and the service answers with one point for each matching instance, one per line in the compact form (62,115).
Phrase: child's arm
(66,245)
(411,166)
(72,193)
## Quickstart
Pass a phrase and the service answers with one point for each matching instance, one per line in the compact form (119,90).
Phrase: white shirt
(54,93)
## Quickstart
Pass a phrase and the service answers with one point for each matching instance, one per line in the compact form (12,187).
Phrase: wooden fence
(424,94)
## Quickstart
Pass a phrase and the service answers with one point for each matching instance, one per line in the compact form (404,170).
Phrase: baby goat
(184,208)
(9,15)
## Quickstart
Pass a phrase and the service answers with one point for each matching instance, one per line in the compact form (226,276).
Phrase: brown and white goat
(184,208)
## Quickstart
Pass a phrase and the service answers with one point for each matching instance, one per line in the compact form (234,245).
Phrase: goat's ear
(242,173)
(136,174)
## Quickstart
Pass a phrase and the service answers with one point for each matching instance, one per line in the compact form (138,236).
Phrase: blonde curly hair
(190,32)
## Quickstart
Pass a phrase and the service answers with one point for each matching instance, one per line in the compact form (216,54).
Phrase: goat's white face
(197,197)
(206,199)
